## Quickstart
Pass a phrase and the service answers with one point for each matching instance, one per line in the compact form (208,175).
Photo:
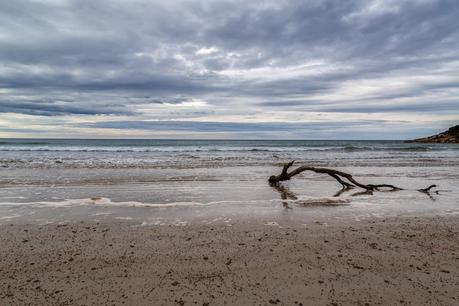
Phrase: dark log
(426,190)
(339,176)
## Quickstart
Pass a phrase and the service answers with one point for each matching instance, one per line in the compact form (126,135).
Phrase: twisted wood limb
(337,175)
(345,179)
(427,190)
(345,185)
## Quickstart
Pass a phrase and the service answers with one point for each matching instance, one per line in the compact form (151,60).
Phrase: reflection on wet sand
(287,195)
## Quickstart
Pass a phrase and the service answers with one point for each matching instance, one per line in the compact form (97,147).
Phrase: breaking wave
(182,149)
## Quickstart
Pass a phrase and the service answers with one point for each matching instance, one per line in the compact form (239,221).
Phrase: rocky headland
(449,136)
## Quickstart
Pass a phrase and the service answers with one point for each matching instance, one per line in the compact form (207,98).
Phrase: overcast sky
(370,69)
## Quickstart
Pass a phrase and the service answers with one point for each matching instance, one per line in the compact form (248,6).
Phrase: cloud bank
(228,69)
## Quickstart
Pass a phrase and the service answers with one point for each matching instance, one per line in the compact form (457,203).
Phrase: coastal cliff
(449,136)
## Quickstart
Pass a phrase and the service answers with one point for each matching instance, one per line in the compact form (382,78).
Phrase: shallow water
(182,181)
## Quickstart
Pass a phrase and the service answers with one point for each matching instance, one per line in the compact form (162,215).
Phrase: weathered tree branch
(426,190)
(345,179)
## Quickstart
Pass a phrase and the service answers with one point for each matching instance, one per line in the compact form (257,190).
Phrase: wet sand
(396,261)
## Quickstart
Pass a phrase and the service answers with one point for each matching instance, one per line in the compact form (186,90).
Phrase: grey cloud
(207,126)
(165,100)
(56,109)
(116,57)
(439,106)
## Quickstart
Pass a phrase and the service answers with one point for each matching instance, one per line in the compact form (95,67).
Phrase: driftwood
(345,179)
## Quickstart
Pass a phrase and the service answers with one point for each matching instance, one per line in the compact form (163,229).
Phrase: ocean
(160,181)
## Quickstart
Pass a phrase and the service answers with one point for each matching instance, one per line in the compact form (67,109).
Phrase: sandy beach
(392,261)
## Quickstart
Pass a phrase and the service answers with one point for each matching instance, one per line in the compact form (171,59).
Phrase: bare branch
(345,179)
(426,190)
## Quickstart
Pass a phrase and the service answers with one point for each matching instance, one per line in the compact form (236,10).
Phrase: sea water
(51,180)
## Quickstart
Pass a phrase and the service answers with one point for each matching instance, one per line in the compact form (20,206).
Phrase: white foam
(102,202)
(9,217)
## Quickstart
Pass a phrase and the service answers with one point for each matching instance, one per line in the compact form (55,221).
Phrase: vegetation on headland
(449,136)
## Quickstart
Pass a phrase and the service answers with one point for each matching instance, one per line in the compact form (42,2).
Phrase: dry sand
(380,262)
